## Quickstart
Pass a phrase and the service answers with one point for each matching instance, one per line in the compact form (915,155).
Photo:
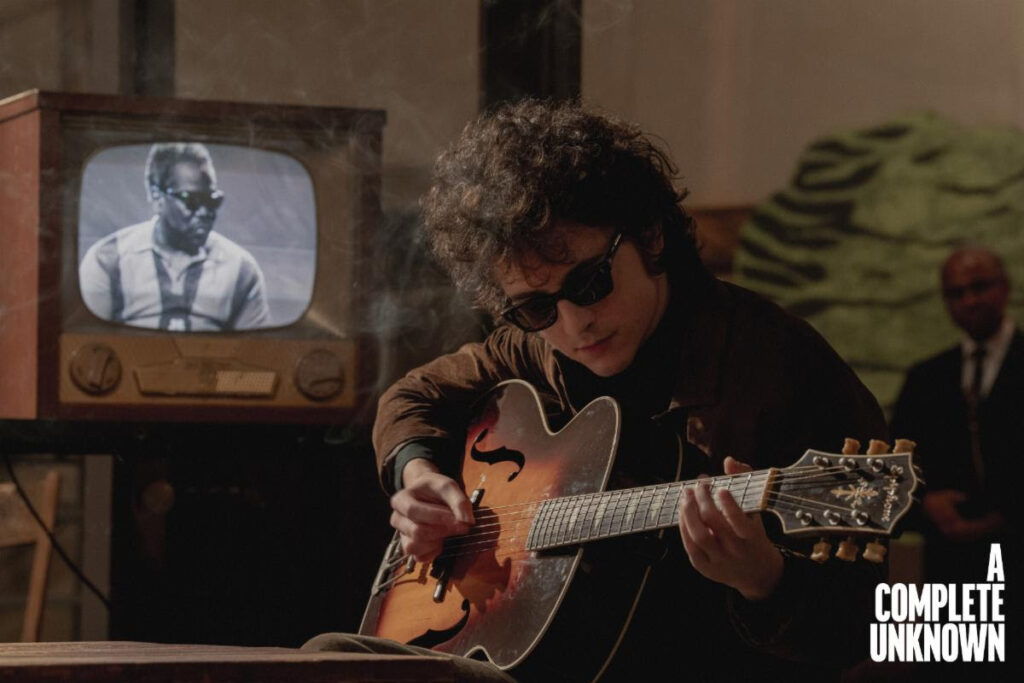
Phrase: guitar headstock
(845,493)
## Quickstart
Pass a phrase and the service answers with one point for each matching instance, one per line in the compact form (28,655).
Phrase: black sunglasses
(584,285)
(193,200)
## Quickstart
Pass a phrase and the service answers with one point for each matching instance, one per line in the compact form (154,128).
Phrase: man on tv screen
(173,272)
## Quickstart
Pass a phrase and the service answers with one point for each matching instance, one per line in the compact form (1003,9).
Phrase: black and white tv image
(192,237)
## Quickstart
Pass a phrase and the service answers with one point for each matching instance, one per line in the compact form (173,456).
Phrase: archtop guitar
(518,586)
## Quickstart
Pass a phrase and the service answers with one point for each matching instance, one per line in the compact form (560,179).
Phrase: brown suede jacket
(744,379)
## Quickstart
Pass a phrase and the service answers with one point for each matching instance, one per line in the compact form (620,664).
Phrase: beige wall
(29,45)
(416,59)
(738,87)
(69,45)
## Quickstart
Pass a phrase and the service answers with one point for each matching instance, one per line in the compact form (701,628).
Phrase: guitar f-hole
(500,454)
(431,637)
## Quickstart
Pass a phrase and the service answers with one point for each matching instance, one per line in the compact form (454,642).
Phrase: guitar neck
(590,517)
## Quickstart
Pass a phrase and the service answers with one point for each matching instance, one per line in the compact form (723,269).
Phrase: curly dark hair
(514,173)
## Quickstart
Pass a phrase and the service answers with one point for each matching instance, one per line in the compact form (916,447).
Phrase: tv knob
(95,369)
(320,375)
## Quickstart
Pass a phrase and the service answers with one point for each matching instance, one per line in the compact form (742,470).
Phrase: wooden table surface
(151,662)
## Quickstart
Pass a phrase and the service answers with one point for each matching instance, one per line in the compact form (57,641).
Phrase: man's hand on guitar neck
(429,508)
(726,544)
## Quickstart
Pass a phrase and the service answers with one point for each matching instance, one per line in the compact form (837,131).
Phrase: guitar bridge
(440,569)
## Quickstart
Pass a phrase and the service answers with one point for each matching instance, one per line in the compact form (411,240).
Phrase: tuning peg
(904,446)
(851,446)
(822,550)
(877,447)
(874,552)
(847,550)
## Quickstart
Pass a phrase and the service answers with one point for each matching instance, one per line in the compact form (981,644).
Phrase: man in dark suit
(964,409)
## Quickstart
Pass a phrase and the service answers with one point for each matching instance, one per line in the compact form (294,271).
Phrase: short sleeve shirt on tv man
(127,278)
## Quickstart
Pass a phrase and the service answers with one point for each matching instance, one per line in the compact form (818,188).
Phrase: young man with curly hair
(567,227)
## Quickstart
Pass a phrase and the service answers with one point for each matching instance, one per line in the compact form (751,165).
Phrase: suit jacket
(932,410)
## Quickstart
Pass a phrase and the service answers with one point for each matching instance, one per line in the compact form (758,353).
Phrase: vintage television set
(166,259)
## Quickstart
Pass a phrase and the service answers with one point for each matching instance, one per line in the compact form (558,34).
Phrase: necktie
(978,357)
(973,415)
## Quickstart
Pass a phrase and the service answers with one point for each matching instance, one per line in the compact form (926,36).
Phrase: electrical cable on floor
(53,541)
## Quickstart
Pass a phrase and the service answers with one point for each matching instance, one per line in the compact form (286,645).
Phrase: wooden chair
(19,527)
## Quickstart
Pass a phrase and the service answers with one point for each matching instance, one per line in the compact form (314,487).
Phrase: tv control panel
(130,371)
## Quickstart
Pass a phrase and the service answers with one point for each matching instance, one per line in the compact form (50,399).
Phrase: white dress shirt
(995,347)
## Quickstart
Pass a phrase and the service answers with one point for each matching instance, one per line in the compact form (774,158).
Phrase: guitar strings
(511,516)
(392,565)
(720,482)
(479,546)
(463,549)
(715,481)
(617,513)
(741,477)
(526,510)
(393,578)
(465,541)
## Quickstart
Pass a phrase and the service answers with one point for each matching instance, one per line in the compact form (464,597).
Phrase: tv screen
(191,237)
(187,260)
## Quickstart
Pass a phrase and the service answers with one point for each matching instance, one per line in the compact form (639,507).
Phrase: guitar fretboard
(589,517)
